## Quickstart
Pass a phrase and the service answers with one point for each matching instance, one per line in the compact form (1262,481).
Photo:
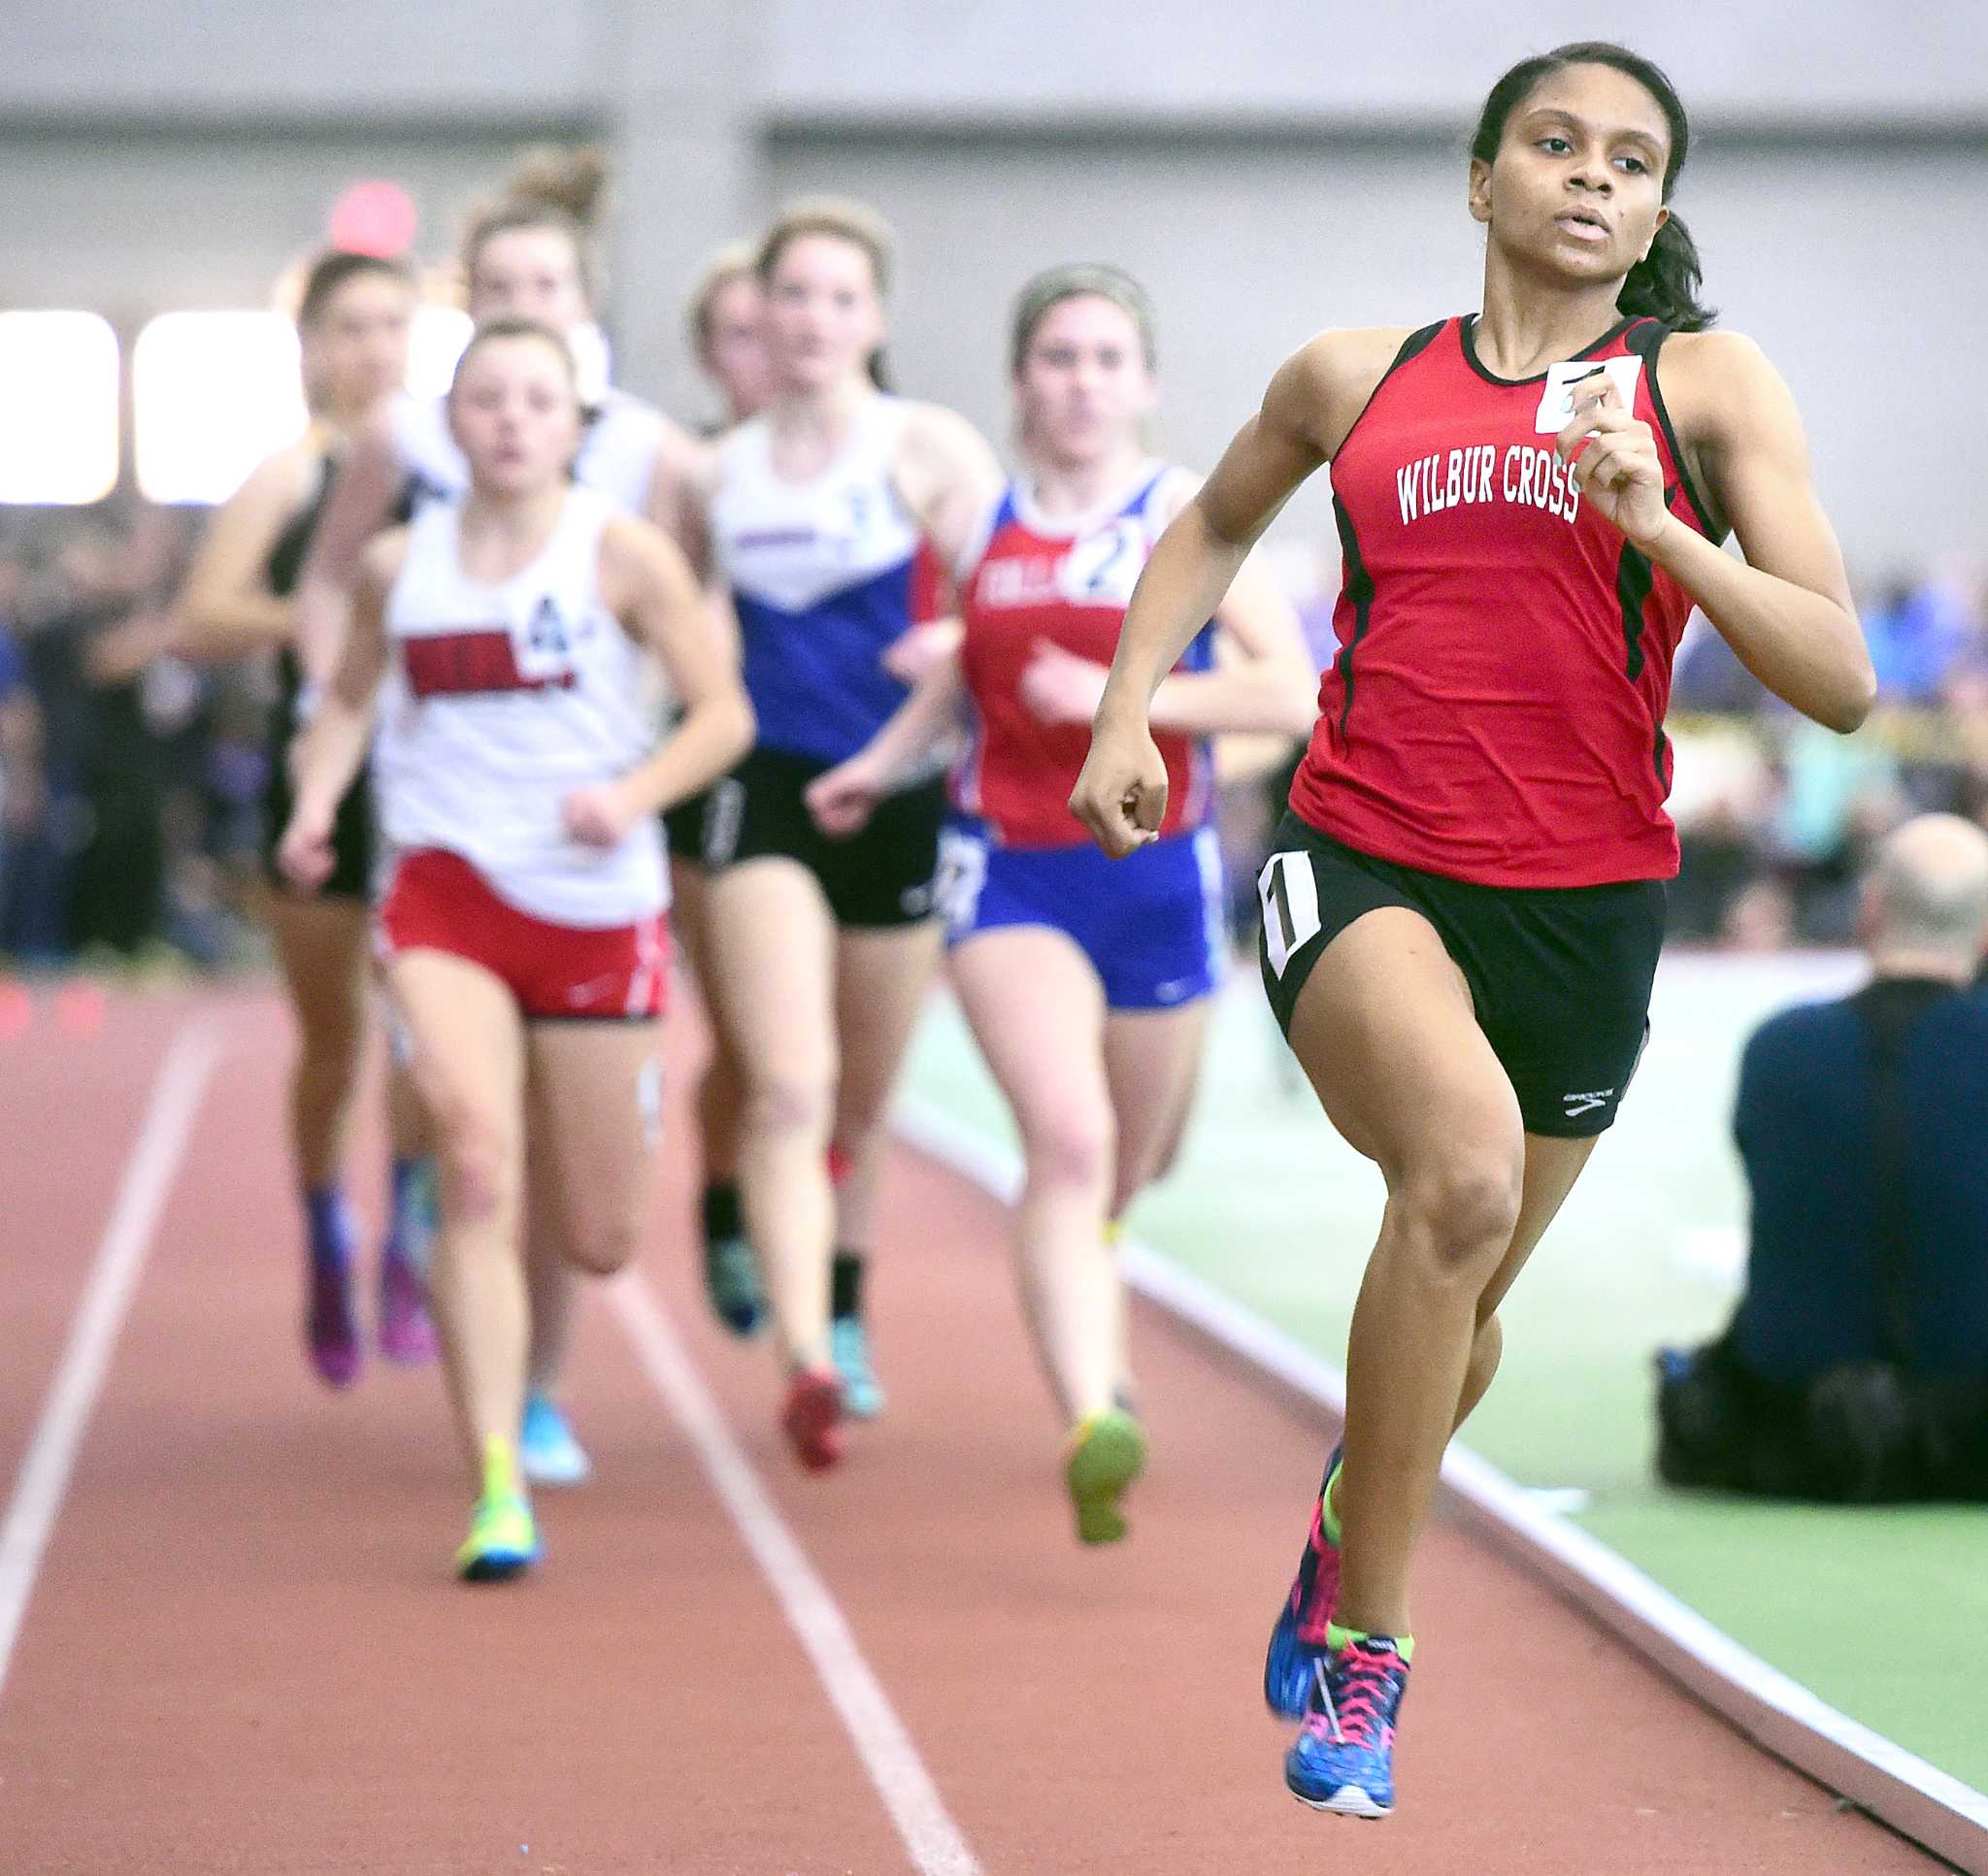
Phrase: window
(212,394)
(58,408)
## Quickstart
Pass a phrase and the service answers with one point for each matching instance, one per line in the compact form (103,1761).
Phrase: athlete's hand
(909,655)
(1121,794)
(1059,687)
(597,817)
(844,797)
(304,856)
(1615,462)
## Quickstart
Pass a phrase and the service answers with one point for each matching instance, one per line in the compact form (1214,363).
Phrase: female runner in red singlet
(1088,988)
(1464,907)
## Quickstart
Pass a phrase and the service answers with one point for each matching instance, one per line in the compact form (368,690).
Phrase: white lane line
(44,1479)
(935,1844)
(1914,1797)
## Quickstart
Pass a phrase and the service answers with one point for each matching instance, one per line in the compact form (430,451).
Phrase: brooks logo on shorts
(1579,1104)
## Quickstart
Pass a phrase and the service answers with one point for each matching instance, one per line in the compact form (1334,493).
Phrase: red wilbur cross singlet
(1495,712)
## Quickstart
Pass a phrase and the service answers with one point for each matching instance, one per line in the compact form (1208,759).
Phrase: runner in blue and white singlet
(816,513)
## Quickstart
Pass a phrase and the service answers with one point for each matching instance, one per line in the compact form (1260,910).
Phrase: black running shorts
(1560,975)
(882,876)
(683,827)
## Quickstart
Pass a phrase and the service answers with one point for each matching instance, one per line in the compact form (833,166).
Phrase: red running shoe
(812,1417)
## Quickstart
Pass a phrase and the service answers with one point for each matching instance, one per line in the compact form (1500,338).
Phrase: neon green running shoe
(1107,1453)
(503,1539)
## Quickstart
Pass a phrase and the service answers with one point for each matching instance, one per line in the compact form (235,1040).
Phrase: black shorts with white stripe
(1560,975)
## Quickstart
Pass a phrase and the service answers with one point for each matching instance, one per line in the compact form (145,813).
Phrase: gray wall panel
(349,59)
(1753,58)
(200,219)
(1248,250)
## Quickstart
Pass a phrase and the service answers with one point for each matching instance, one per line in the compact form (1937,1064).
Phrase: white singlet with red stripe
(617,451)
(499,702)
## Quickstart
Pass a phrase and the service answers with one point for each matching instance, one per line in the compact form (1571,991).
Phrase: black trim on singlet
(1417,341)
(1645,338)
(1633,577)
(1359,591)
(1468,330)
(1359,582)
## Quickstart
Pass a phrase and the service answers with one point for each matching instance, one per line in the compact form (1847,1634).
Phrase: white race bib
(1556,402)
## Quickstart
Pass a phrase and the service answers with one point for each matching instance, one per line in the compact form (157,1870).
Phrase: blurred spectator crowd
(131,780)
(1777,817)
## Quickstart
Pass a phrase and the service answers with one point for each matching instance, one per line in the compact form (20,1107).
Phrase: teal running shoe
(849,1348)
(547,1454)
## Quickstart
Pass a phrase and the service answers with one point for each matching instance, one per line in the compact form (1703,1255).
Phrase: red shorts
(438,902)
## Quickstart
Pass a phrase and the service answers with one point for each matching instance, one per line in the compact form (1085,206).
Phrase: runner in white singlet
(501,642)
(529,255)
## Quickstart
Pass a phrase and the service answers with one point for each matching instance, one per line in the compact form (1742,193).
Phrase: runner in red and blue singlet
(1086,984)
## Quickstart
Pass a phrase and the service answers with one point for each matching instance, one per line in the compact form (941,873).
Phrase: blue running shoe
(1342,1758)
(849,1347)
(547,1454)
(1297,1642)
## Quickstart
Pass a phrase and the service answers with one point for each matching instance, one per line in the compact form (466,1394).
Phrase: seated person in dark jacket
(1856,1366)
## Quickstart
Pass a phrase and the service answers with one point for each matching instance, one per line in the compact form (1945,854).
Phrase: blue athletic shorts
(1150,924)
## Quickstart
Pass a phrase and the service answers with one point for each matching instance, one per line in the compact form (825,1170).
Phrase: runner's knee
(478,1166)
(1462,1212)
(793,1103)
(602,1246)
(1070,1149)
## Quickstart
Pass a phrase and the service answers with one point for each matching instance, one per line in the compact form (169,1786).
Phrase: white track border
(1917,1799)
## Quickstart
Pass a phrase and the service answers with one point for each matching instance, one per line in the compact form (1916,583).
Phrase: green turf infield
(1883,1613)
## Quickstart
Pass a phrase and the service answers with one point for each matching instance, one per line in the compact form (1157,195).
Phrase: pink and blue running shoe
(1343,1759)
(1298,1643)
(407,1333)
(331,1325)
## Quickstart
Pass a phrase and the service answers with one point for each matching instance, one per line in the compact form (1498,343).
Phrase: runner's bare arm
(1267,683)
(328,754)
(1312,403)
(947,476)
(224,608)
(359,504)
(1787,608)
(649,587)
(675,490)
(842,799)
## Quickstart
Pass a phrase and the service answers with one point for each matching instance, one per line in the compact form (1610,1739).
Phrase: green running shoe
(1107,1453)
(503,1540)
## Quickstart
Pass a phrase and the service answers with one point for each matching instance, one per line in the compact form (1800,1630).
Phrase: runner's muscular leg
(882,973)
(468,1060)
(773,952)
(1037,1012)
(1386,1031)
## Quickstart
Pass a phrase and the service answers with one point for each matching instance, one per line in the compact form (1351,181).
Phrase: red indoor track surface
(245,1652)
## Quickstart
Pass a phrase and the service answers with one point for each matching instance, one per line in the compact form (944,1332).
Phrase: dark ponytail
(1663,285)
